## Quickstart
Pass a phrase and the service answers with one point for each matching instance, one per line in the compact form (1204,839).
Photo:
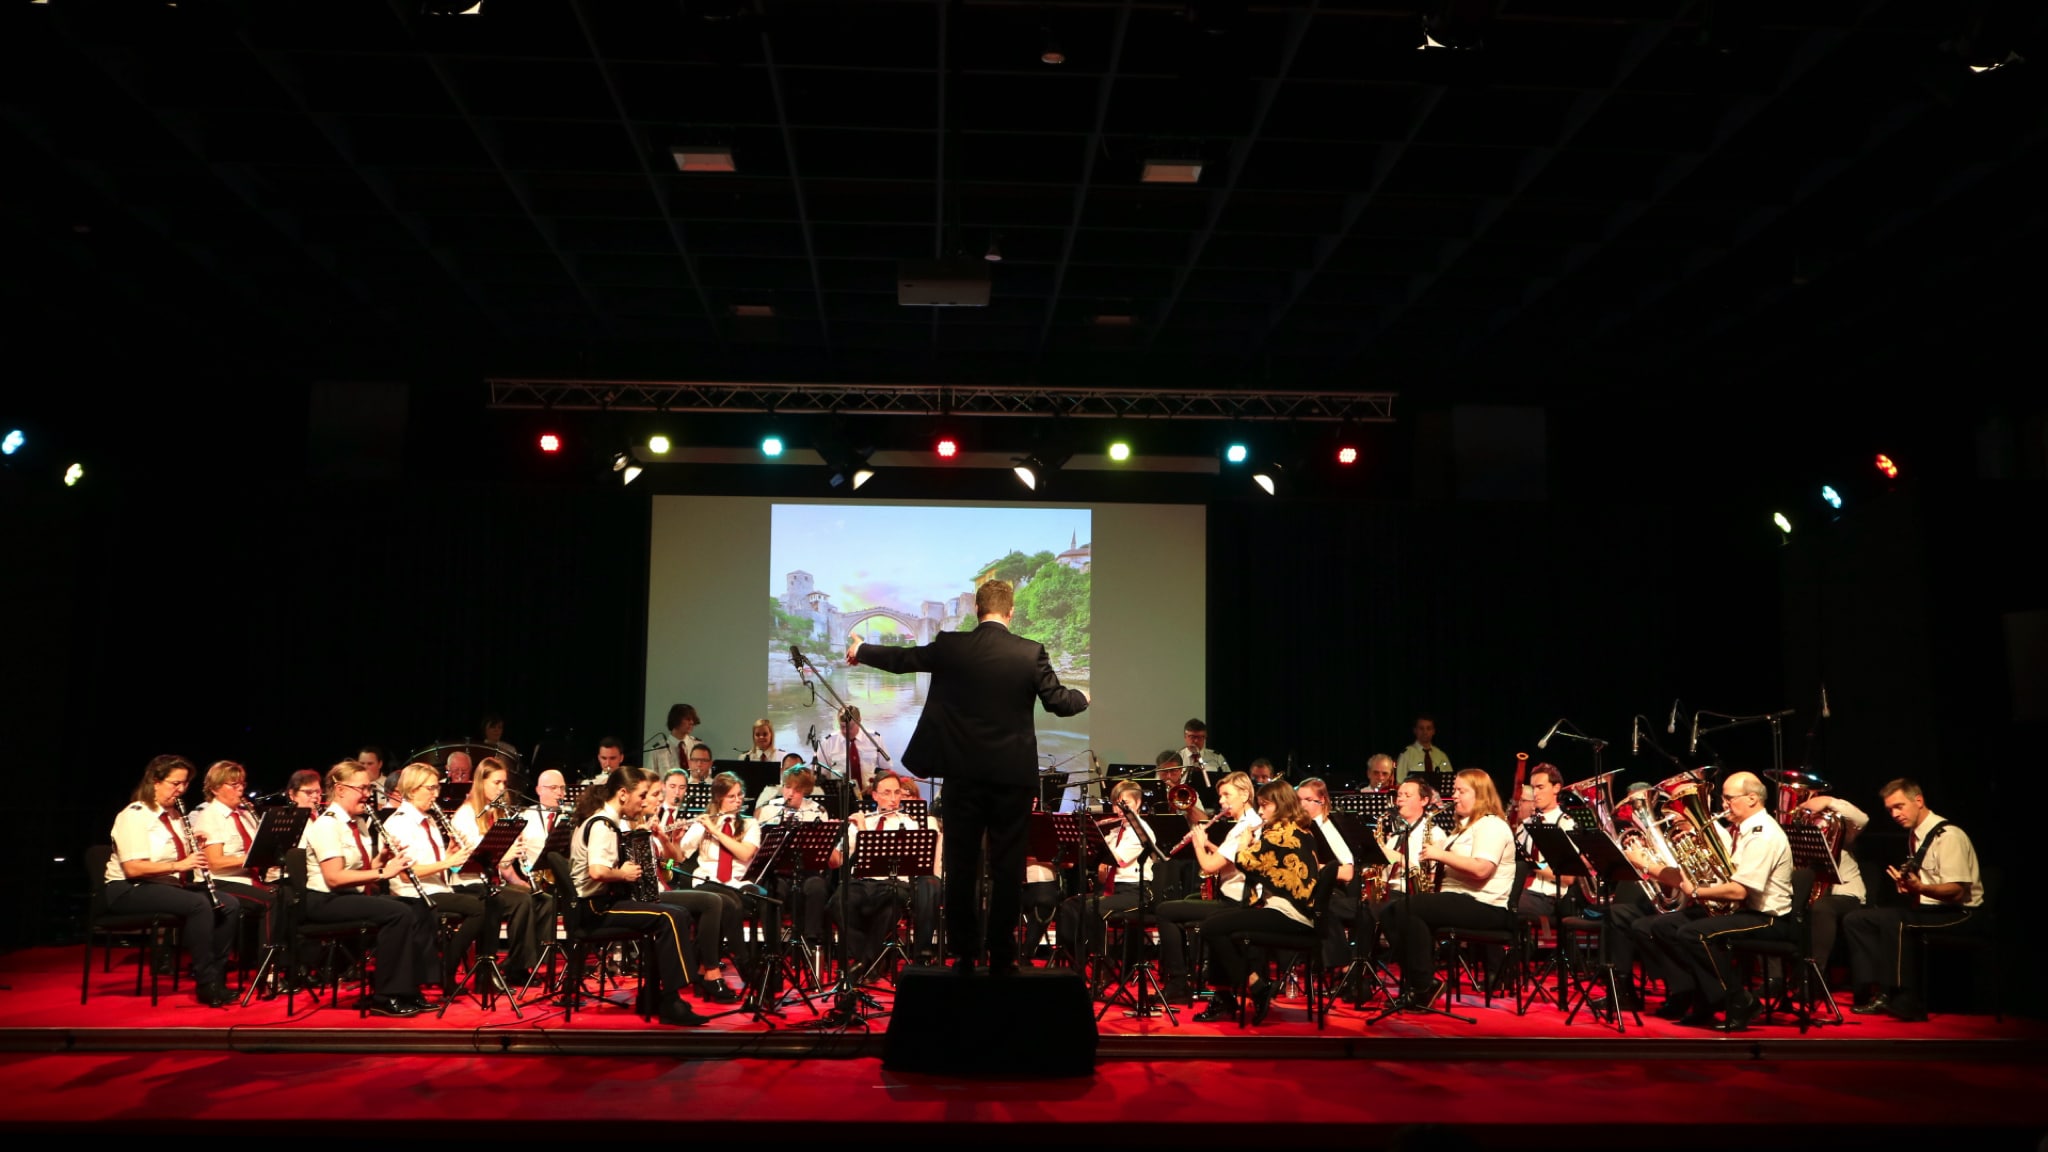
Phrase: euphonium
(1637,827)
(1794,790)
(1700,852)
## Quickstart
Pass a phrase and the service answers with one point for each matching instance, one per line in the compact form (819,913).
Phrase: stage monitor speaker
(1034,1025)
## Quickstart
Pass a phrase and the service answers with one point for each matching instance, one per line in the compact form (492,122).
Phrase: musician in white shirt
(1128,850)
(1945,887)
(673,749)
(874,903)
(793,803)
(228,827)
(604,879)
(1541,895)
(1342,910)
(344,882)
(1234,798)
(412,830)
(1824,916)
(1759,884)
(154,868)
(763,749)
(1477,869)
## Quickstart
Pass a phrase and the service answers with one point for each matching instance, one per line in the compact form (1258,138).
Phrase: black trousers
(1414,922)
(470,909)
(665,924)
(872,909)
(258,901)
(1883,950)
(1653,936)
(706,911)
(1701,944)
(1082,933)
(521,912)
(1173,917)
(1001,813)
(208,932)
(405,935)
(1825,915)
(1040,901)
(1229,955)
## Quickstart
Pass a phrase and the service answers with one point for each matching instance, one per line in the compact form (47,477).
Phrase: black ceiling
(1610,198)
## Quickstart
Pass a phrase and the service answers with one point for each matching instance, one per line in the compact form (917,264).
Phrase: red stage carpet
(1506,1081)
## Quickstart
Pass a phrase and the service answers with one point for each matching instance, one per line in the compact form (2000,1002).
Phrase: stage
(1505,1080)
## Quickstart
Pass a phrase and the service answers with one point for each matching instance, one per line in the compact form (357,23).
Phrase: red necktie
(725,857)
(1428,761)
(356,831)
(428,824)
(1912,843)
(548,819)
(244,830)
(853,760)
(175,839)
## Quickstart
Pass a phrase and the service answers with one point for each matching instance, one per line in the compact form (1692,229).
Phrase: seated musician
(525,913)
(1080,932)
(414,830)
(345,880)
(1279,857)
(794,803)
(540,823)
(152,869)
(1477,875)
(668,808)
(228,827)
(606,883)
(874,904)
(1759,886)
(303,789)
(1379,773)
(1824,916)
(1314,796)
(1407,830)
(1941,880)
(723,841)
(1179,878)
(1541,894)
(1218,862)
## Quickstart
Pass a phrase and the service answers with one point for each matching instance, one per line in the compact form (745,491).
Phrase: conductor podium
(1037,1023)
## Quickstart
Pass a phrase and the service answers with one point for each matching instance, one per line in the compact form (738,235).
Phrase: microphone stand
(1771,718)
(847,996)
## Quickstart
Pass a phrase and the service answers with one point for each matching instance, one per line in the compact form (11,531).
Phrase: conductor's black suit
(976,733)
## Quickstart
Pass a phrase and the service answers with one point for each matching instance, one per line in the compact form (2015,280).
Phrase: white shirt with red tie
(421,838)
(234,831)
(714,863)
(540,824)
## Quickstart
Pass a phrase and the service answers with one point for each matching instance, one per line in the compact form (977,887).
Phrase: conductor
(976,733)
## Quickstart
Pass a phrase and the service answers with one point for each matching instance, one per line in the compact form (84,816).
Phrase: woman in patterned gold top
(1279,861)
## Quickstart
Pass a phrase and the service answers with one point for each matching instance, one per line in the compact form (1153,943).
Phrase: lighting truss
(950,400)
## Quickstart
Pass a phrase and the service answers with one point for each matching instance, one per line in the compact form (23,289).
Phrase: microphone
(812,737)
(1824,714)
(1545,742)
(1635,736)
(796,657)
(1693,750)
(1671,725)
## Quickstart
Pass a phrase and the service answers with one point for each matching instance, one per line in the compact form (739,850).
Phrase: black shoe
(1878,1005)
(419,1003)
(1906,1006)
(214,995)
(1222,1007)
(1176,991)
(715,992)
(1262,1000)
(1700,1017)
(1675,1007)
(392,1006)
(1742,1008)
(517,977)
(674,1011)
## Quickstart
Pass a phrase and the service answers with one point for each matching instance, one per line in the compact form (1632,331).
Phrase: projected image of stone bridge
(921,625)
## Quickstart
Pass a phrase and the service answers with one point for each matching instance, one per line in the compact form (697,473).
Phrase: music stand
(572,795)
(484,858)
(1441,779)
(910,806)
(897,854)
(276,834)
(1137,980)
(1604,861)
(777,857)
(1368,852)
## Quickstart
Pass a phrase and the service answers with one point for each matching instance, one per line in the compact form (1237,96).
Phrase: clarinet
(454,840)
(411,877)
(205,873)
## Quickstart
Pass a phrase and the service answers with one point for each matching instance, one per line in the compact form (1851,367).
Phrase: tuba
(1638,827)
(1794,790)
(1697,847)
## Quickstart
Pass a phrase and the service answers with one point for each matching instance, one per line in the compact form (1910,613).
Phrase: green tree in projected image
(1052,604)
(785,628)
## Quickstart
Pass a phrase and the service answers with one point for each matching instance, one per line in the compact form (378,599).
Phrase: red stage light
(1347,455)
(549,442)
(948,449)
(1885,465)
